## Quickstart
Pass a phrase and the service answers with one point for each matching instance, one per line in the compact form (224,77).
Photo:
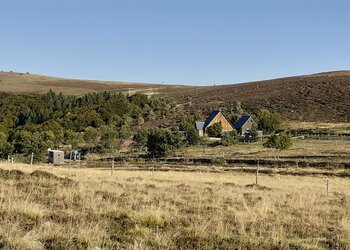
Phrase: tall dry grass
(60,208)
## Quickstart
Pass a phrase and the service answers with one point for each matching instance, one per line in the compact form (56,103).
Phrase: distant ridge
(317,97)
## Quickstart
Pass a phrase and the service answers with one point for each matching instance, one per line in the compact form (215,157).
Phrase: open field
(320,153)
(62,208)
(303,149)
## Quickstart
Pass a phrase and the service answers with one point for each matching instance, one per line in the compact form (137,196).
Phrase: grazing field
(303,149)
(61,208)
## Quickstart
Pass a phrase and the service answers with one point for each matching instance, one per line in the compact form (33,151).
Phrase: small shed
(56,157)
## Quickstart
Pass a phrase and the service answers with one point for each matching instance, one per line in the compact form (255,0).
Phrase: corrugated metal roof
(242,121)
(199,125)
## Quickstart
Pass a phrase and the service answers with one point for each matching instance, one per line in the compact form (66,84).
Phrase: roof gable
(213,115)
(242,121)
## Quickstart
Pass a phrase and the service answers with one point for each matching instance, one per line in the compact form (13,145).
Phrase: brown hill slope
(318,97)
(28,83)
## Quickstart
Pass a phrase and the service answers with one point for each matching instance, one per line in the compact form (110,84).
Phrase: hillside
(28,83)
(318,97)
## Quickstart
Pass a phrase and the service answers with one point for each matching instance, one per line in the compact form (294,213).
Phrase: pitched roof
(199,125)
(242,121)
(212,116)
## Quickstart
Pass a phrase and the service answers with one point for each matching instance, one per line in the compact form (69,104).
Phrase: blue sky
(198,42)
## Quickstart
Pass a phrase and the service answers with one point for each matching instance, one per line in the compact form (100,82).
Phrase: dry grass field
(44,207)
(312,150)
(28,83)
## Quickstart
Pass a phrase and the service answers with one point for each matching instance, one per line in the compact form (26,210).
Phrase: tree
(5,147)
(91,135)
(27,142)
(141,137)
(163,142)
(215,130)
(110,141)
(230,139)
(279,142)
(267,121)
(192,136)
(234,117)
(253,133)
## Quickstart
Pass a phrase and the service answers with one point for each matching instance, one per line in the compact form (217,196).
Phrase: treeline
(96,121)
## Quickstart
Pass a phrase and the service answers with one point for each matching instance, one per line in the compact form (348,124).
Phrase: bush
(192,136)
(163,142)
(230,139)
(5,147)
(141,137)
(215,130)
(279,142)
(267,121)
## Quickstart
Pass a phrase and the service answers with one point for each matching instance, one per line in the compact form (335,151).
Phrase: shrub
(230,139)
(215,130)
(192,136)
(279,142)
(267,121)
(163,142)
(141,137)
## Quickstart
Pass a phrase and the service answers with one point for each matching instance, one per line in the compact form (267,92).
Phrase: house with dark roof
(245,124)
(217,116)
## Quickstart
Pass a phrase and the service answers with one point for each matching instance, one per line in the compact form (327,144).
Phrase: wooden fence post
(257,174)
(31,159)
(112,169)
(79,159)
(11,160)
(327,187)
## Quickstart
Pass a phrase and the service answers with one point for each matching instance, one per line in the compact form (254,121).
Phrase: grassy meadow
(44,207)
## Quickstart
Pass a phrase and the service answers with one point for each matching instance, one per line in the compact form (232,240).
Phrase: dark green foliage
(141,137)
(28,142)
(230,139)
(279,142)
(215,130)
(34,123)
(163,142)
(139,100)
(253,133)
(5,147)
(267,121)
(91,135)
(110,141)
(192,136)
(234,118)
(187,124)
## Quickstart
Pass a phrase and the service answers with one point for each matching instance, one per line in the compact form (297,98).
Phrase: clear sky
(197,42)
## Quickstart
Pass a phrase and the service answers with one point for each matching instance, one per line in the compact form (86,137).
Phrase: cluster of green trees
(165,141)
(96,121)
